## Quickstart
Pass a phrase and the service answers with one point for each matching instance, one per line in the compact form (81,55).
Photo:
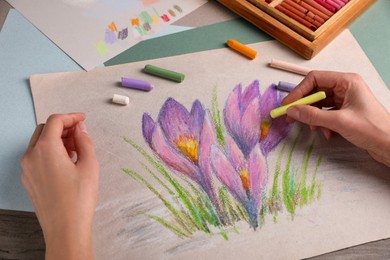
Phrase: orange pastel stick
(241,48)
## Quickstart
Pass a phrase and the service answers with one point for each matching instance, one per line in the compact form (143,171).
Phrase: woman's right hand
(356,114)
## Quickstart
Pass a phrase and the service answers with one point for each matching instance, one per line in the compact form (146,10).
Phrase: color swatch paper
(91,32)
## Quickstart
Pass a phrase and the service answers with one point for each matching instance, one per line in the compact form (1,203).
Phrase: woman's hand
(355,112)
(63,189)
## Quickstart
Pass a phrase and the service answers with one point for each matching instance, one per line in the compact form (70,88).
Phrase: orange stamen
(244,175)
(188,145)
(264,128)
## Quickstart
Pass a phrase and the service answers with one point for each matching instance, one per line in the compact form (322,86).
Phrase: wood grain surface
(21,237)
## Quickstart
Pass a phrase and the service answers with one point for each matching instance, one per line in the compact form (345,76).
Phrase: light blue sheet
(23,51)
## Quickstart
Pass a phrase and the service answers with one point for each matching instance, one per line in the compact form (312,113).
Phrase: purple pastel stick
(286,86)
(137,84)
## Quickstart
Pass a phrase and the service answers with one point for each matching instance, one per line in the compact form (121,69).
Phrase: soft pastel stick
(280,111)
(327,5)
(296,17)
(137,84)
(339,2)
(283,65)
(299,12)
(241,48)
(164,73)
(319,7)
(312,9)
(286,86)
(336,4)
(315,17)
(119,99)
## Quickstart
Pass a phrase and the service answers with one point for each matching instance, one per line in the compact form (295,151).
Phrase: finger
(327,133)
(328,101)
(315,81)
(26,182)
(289,119)
(67,132)
(302,89)
(35,136)
(312,116)
(56,124)
(84,147)
(69,143)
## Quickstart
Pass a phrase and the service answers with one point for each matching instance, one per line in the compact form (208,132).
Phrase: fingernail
(293,112)
(326,133)
(83,127)
(73,156)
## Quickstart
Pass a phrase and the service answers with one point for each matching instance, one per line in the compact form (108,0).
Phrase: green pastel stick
(164,73)
(303,101)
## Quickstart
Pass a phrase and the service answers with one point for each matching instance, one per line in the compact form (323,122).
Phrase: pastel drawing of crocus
(272,131)
(182,139)
(242,116)
(247,118)
(244,178)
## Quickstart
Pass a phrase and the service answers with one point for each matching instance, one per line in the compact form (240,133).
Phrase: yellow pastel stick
(303,101)
(241,48)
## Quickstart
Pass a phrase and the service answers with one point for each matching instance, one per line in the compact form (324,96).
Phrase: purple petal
(197,115)
(278,131)
(147,127)
(257,169)
(232,111)
(250,93)
(172,157)
(227,174)
(250,125)
(269,101)
(235,154)
(207,138)
(175,120)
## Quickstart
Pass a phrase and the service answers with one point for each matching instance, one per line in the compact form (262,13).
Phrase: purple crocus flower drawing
(242,116)
(182,139)
(245,178)
(248,121)
(272,131)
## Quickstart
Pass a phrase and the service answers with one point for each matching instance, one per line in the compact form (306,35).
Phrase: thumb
(84,146)
(311,115)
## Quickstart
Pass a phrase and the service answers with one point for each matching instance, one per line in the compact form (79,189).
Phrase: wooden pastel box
(308,37)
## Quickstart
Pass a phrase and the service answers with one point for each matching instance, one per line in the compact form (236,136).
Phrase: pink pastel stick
(339,2)
(283,65)
(334,4)
(330,8)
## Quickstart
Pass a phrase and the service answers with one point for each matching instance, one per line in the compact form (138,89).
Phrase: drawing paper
(93,31)
(351,205)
